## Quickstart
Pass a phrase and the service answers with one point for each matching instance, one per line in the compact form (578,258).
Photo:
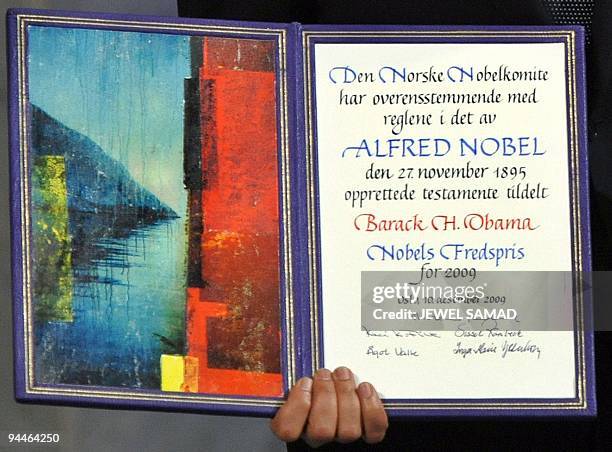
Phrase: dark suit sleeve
(260,11)
(453,12)
(599,100)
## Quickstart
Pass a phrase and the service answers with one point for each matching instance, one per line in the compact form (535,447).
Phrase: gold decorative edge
(568,37)
(140,24)
(23,20)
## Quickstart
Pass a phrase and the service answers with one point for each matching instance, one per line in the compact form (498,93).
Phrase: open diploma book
(205,211)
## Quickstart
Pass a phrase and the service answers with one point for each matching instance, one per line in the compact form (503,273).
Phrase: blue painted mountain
(96,182)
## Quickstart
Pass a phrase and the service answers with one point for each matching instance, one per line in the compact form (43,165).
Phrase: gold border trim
(568,38)
(23,20)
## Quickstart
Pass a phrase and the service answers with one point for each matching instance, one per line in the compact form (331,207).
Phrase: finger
(349,411)
(289,421)
(373,414)
(322,420)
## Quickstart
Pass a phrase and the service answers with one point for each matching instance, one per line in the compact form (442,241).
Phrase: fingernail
(323,374)
(305,384)
(342,373)
(365,390)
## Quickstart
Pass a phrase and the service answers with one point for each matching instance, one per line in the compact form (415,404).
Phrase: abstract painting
(154,211)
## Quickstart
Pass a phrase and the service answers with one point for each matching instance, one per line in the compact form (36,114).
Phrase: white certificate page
(438,157)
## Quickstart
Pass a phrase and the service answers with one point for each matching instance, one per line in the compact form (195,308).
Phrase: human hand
(330,407)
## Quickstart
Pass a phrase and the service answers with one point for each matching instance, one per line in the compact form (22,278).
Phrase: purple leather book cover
(151,211)
(170,180)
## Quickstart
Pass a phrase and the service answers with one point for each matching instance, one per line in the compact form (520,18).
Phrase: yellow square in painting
(172,372)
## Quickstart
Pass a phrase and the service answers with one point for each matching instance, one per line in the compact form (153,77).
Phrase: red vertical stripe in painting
(238,353)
